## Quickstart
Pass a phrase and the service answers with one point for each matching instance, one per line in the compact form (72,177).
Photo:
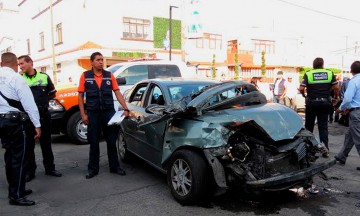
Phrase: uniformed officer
(98,85)
(16,106)
(43,90)
(319,83)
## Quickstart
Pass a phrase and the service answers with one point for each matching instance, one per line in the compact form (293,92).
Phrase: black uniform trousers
(318,109)
(13,140)
(98,120)
(45,144)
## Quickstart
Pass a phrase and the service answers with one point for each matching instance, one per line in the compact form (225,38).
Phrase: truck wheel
(188,177)
(76,129)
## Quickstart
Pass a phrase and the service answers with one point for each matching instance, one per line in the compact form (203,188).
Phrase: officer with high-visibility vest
(43,90)
(318,84)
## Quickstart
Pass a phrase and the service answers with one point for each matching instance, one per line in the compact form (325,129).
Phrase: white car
(129,73)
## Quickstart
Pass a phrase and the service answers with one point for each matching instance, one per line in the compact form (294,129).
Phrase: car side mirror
(121,81)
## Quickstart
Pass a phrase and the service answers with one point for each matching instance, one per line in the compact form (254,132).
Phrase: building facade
(121,30)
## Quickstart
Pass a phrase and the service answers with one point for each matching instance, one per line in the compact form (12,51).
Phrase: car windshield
(179,91)
(113,68)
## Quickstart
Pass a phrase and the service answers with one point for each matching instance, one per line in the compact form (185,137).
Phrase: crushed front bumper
(292,177)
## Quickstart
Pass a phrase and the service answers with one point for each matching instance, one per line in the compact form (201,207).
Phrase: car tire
(123,154)
(76,129)
(188,167)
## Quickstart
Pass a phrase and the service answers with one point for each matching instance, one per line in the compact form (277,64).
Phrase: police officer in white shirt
(16,106)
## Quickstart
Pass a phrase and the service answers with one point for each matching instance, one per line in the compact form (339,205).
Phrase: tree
(213,68)
(236,77)
(263,65)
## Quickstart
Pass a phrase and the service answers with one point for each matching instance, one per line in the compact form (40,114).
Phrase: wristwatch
(127,110)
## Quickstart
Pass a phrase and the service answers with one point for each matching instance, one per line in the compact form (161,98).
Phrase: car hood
(276,120)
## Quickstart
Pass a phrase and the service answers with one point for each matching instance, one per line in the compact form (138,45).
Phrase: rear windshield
(136,73)
(113,68)
(163,71)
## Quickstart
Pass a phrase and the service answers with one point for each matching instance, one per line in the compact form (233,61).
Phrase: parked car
(64,108)
(209,136)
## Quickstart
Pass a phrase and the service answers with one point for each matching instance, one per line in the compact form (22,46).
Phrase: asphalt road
(143,191)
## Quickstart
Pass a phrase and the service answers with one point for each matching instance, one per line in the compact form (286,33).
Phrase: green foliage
(130,54)
(161,26)
(236,77)
(213,68)
(263,65)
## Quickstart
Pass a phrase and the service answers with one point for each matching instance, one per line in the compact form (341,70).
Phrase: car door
(151,135)
(130,125)
(145,141)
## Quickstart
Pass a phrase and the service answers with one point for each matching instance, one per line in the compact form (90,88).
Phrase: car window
(113,68)
(157,97)
(137,95)
(134,74)
(163,71)
(179,91)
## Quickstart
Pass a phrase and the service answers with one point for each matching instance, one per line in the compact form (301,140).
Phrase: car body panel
(243,138)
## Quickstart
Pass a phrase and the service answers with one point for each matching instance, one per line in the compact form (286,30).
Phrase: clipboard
(117,118)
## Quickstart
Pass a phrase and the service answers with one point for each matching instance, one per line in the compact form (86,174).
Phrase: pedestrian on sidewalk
(290,94)
(351,106)
(279,88)
(318,84)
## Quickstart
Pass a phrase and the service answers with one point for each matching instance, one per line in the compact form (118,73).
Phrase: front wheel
(76,129)
(188,177)
(121,146)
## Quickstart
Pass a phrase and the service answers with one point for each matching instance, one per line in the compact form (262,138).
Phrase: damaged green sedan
(209,136)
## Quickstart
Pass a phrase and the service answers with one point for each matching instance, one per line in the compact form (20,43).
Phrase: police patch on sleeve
(320,76)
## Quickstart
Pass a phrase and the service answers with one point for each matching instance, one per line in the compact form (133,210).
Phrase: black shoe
(53,173)
(29,177)
(21,202)
(90,175)
(358,168)
(339,161)
(118,171)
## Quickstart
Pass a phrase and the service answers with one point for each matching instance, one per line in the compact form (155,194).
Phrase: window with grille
(210,41)
(28,46)
(135,28)
(58,68)
(43,69)
(264,45)
(42,40)
(59,38)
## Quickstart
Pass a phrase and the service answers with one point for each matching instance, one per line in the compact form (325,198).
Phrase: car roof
(177,80)
(151,62)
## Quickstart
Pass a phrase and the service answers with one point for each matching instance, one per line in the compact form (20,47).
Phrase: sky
(322,26)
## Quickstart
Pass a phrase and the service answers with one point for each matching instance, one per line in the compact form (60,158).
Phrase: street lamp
(52,43)
(170,30)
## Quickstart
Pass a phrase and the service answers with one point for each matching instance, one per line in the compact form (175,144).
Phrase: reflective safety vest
(317,76)
(98,98)
(38,84)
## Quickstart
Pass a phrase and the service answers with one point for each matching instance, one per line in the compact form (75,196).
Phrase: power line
(320,12)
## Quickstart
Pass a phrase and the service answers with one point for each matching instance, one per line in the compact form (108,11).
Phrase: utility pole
(52,43)
(170,30)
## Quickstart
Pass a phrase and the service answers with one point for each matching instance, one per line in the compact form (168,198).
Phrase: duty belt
(320,99)
(15,116)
